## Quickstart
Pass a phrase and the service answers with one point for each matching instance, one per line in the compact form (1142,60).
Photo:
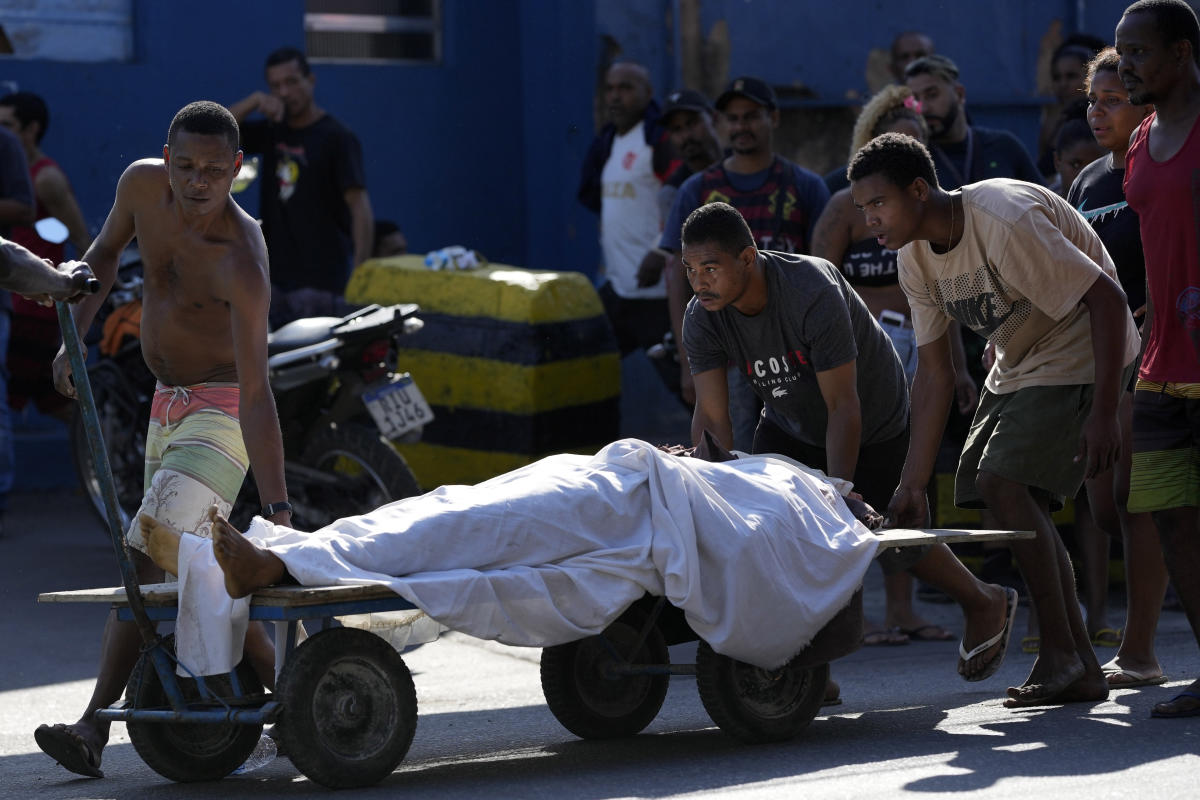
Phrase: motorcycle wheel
(124,434)
(356,471)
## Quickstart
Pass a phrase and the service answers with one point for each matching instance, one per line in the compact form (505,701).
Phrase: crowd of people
(838,321)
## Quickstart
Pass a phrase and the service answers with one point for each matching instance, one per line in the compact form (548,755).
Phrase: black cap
(685,100)
(750,88)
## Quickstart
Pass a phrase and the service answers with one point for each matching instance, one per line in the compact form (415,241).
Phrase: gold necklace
(950,237)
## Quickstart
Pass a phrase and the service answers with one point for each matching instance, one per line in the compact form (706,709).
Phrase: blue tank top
(868,263)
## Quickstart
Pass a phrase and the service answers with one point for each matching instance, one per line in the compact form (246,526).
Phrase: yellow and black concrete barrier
(515,363)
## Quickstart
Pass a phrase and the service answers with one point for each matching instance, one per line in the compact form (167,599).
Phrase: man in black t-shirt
(963,153)
(314,205)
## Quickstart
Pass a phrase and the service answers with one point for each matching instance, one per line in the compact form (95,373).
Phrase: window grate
(373,30)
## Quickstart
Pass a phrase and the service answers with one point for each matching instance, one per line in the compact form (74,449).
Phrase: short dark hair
(28,107)
(899,158)
(937,65)
(207,118)
(1174,20)
(719,224)
(286,54)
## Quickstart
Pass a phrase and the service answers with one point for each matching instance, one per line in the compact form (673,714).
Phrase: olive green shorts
(1030,436)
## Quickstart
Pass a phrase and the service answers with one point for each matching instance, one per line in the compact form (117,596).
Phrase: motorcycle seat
(301,333)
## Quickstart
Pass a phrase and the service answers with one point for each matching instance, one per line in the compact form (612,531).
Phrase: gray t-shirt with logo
(813,321)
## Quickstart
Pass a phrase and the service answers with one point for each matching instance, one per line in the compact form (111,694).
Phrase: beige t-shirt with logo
(1016,277)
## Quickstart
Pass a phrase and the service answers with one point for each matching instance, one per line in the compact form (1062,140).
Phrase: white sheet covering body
(758,555)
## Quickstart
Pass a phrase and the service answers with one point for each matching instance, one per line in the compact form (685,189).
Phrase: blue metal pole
(91,424)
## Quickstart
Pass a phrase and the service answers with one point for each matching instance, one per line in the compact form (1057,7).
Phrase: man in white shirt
(622,176)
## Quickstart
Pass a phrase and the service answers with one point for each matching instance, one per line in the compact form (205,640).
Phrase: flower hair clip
(913,104)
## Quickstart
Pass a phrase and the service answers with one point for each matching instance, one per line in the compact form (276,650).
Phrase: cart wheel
(349,709)
(186,752)
(758,705)
(587,698)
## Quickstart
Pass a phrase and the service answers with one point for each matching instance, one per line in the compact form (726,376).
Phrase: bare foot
(247,567)
(1047,685)
(1085,689)
(162,543)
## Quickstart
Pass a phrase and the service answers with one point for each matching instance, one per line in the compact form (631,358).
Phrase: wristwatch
(271,509)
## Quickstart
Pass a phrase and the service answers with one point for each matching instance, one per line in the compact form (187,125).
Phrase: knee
(997,491)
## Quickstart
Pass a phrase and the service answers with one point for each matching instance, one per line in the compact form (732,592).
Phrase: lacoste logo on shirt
(778,392)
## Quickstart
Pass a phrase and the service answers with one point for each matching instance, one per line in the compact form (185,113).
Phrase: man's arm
(16,190)
(103,257)
(933,389)
(678,295)
(966,393)
(1100,445)
(362,223)
(24,273)
(265,103)
(250,299)
(843,432)
(831,235)
(712,408)
(55,194)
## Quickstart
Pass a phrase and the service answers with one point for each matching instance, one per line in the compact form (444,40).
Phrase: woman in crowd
(841,237)
(1099,195)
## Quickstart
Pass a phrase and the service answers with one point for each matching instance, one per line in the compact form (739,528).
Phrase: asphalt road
(908,726)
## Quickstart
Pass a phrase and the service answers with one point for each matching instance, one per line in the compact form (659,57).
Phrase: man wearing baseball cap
(779,200)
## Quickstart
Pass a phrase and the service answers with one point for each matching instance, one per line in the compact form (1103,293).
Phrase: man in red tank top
(1159,43)
(35,336)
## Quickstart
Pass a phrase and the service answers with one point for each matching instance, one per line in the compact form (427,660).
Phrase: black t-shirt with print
(304,176)
(1099,194)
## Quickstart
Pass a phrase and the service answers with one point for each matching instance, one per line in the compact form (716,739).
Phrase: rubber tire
(755,705)
(188,752)
(592,705)
(124,438)
(349,709)
(387,472)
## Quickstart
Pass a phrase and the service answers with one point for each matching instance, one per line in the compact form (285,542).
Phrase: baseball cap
(752,89)
(685,100)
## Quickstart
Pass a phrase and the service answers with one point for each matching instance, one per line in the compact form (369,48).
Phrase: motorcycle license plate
(397,407)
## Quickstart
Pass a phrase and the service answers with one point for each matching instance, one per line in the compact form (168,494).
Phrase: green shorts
(1166,446)
(1030,436)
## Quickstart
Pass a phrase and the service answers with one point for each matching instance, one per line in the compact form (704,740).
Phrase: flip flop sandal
(1166,710)
(69,749)
(1000,638)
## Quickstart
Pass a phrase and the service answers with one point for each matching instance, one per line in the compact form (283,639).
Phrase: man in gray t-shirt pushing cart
(833,388)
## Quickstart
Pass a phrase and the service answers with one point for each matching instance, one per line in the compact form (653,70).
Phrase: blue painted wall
(446,146)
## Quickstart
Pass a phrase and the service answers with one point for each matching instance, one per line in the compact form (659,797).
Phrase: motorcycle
(340,403)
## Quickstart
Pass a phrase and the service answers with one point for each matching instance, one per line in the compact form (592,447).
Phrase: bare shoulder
(842,202)
(146,176)
(247,252)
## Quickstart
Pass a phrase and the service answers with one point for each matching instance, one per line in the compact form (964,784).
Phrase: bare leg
(120,647)
(984,605)
(1180,532)
(901,615)
(1093,510)
(247,567)
(1145,573)
(1066,669)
